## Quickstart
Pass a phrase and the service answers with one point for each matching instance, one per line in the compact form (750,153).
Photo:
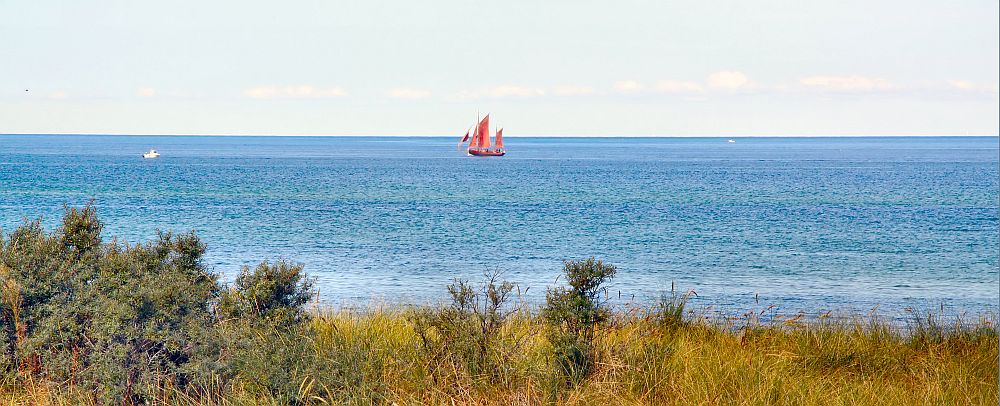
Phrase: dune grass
(642,361)
(639,359)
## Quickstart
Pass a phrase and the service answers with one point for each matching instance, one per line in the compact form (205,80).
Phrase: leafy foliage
(108,317)
(469,331)
(264,330)
(121,321)
(574,312)
(276,293)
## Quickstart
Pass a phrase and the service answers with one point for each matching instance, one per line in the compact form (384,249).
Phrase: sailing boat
(479,143)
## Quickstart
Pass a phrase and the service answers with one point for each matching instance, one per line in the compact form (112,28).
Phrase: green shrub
(276,293)
(469,331)
(267,343)
(113,319)
(573,313)
(271,360)
(122,322)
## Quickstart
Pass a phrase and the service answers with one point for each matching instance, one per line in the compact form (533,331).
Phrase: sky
(560,67)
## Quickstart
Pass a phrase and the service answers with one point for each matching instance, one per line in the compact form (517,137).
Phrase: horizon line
(517,136)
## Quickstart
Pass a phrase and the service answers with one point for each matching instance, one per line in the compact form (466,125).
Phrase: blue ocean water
(800,223)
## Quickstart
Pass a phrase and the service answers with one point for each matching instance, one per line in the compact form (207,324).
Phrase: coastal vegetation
(89,321)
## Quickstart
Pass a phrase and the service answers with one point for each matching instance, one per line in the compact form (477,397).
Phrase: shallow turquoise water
(805,223)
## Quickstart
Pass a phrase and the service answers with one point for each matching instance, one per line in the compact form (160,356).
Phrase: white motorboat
(151,154)
(730,140)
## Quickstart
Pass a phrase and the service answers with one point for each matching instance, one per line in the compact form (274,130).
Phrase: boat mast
(475,137)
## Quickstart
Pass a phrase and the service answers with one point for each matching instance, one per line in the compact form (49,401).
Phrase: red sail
(484,132)
(464,139)
(475,138)
(500,138)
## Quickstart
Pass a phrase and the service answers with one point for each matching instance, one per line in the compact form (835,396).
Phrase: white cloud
(677,86)
(846,83)
(973,86)
(294,92)
(728,80)
(963,84)
(500,92)
(722,80)
(408,93)
(628,86)
(146,92)
(514,91)
(570,91)
(58,95)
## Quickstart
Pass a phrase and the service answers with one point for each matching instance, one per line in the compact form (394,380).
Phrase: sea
(787,224)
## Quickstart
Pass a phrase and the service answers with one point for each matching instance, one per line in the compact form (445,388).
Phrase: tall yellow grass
(642,361)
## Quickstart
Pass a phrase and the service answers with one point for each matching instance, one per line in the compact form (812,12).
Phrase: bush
(123,322)
(266,340)
(275,293)
(573,313)
(469,331)
(110,318)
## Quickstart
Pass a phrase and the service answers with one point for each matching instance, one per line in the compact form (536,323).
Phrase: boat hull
(476,152)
